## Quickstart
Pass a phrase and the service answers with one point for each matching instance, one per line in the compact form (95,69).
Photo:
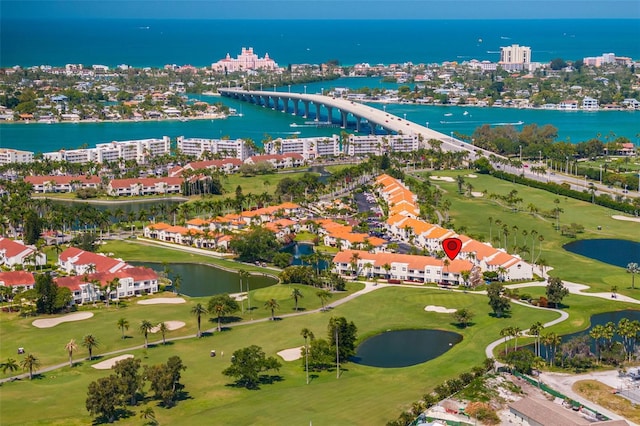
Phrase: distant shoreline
(126,120)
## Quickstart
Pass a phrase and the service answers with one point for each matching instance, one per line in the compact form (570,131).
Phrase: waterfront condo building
(379,144)
(8,156)
(236,148)
(246,60)
(515,57)
(136,150)
(309,148)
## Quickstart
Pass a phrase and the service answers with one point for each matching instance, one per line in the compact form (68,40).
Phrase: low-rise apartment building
(198,147)
(145,186)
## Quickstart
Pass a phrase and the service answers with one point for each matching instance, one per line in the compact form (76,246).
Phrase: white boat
(465,113)
(448,114)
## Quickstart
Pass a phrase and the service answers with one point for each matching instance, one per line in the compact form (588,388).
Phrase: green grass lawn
(363,395)
(256,184)
(566,265)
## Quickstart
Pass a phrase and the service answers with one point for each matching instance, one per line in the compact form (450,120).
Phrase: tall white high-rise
(515,56)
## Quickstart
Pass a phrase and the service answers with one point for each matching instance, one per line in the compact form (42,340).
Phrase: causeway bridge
(305,104)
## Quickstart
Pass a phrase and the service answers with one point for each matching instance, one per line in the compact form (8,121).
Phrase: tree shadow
(120,413)
(300,309)
(460,326)
(504,315)
(229,319)
(275,319)
(168,343)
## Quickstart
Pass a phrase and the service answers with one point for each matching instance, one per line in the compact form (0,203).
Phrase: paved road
(564,384)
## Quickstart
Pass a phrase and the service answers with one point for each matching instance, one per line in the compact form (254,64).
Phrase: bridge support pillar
(329,114)
(344,119)
(306,108)
(317,112)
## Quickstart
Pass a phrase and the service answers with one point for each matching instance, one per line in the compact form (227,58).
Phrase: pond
(402,348)
(611,251)
(598,319)
(299,251)
(200,280)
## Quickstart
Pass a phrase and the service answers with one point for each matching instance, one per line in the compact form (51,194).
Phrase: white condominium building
(515,57)
(379,144)
(8,156)
(136,150)
(309,148)
(236,148)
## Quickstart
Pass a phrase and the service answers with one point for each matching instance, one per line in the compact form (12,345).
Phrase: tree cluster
(248,366)
(109,396)
(498,302)
(259,244)
(49,298)
(339,345)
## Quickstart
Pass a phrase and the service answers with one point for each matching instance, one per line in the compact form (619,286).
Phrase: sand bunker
(443,178)
(472,176)
(52,322)
(477,194)
(171,325)
(108,364)
(627,218)
(160,300)
(439,309)
(291,354)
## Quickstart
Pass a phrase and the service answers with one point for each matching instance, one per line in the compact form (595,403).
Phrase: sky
(321,9)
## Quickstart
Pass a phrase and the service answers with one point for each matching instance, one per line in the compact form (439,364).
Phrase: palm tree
(123,325)
(516,332)
(243,275)
(145,328)
(10,365)
(163,329)
(273,305)
(597,333)
(633,269)
(90,342)
(323,295)
(70,347)
(30,363)
(506,333)
(149,415)
(177,282)
(307,334)
(535,330)
(198,310)
(296,294)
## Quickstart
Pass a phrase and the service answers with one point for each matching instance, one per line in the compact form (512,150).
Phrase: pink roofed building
(14,253)
(17,280)
(245,61)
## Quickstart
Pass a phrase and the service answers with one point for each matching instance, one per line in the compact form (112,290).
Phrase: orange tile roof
(481,250)
(415,262)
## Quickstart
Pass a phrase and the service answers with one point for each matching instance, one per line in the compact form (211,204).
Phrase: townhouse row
(91,277)
(404,223)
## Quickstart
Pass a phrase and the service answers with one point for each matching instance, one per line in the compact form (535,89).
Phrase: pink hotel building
(247,60)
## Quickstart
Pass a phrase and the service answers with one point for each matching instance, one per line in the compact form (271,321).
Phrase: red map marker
(452,247)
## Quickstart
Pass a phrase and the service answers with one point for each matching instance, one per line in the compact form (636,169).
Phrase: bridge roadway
(389,122)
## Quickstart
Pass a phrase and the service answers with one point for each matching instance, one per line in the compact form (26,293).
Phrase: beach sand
(108,364)
(439,309)
(52,322)
(291,354)
(171,325)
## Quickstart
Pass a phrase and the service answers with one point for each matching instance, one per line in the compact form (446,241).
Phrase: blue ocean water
(257,123)
(201,42)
